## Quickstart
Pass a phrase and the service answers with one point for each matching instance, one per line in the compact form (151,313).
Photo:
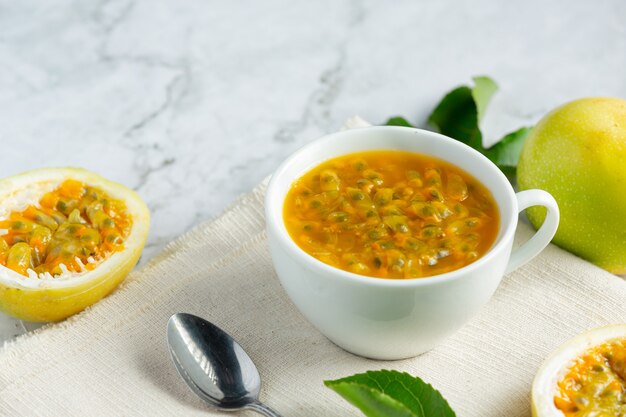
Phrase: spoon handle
(263,409)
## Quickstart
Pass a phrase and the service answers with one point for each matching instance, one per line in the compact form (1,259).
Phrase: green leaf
(371,402)
(391,394)
(510,173)
(398,121)
(459,113)
(506,152)
(456,116)
(484,89)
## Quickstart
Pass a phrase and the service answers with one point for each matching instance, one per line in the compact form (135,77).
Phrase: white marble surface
(193,102)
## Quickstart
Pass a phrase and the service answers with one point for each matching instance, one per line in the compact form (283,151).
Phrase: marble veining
(193,103)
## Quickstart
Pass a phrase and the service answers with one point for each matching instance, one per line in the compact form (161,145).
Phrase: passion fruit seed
(383,196)
(338,216)
(329,181)
(4,247)
(375,177)
(75,217)
(397,223)
(594,384)
(360,165)
(18,226)
(365,185)
(20,258)
(456,188)
(73,226)
(356,194)
(39,240)
(433,177)
(60,218)
(66,205)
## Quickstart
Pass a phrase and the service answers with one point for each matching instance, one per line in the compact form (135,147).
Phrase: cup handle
(544,235)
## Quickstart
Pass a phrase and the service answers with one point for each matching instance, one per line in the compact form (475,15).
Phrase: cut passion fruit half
(68,237)
(584,377)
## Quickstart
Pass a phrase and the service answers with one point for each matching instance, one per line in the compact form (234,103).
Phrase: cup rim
(293,250)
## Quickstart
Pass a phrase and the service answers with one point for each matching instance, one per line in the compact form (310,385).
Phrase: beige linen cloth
(112,360)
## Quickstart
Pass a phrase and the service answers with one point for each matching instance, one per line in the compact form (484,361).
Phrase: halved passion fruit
(584,377)
(68,237)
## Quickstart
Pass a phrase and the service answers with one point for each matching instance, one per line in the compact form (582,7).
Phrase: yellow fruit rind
(54,304)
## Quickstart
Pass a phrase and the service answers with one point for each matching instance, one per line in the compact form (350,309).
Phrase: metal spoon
(214,366)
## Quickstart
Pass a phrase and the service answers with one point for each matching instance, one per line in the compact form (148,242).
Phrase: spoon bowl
(214,365)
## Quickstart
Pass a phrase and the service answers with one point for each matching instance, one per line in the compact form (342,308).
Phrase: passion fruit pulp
(69,237)
(584,377)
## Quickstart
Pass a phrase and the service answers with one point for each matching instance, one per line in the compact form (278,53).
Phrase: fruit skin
(544,384)
(27,299)
(43,305)
(577,153)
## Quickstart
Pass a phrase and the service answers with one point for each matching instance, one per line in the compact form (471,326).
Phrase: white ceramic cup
(387,318)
